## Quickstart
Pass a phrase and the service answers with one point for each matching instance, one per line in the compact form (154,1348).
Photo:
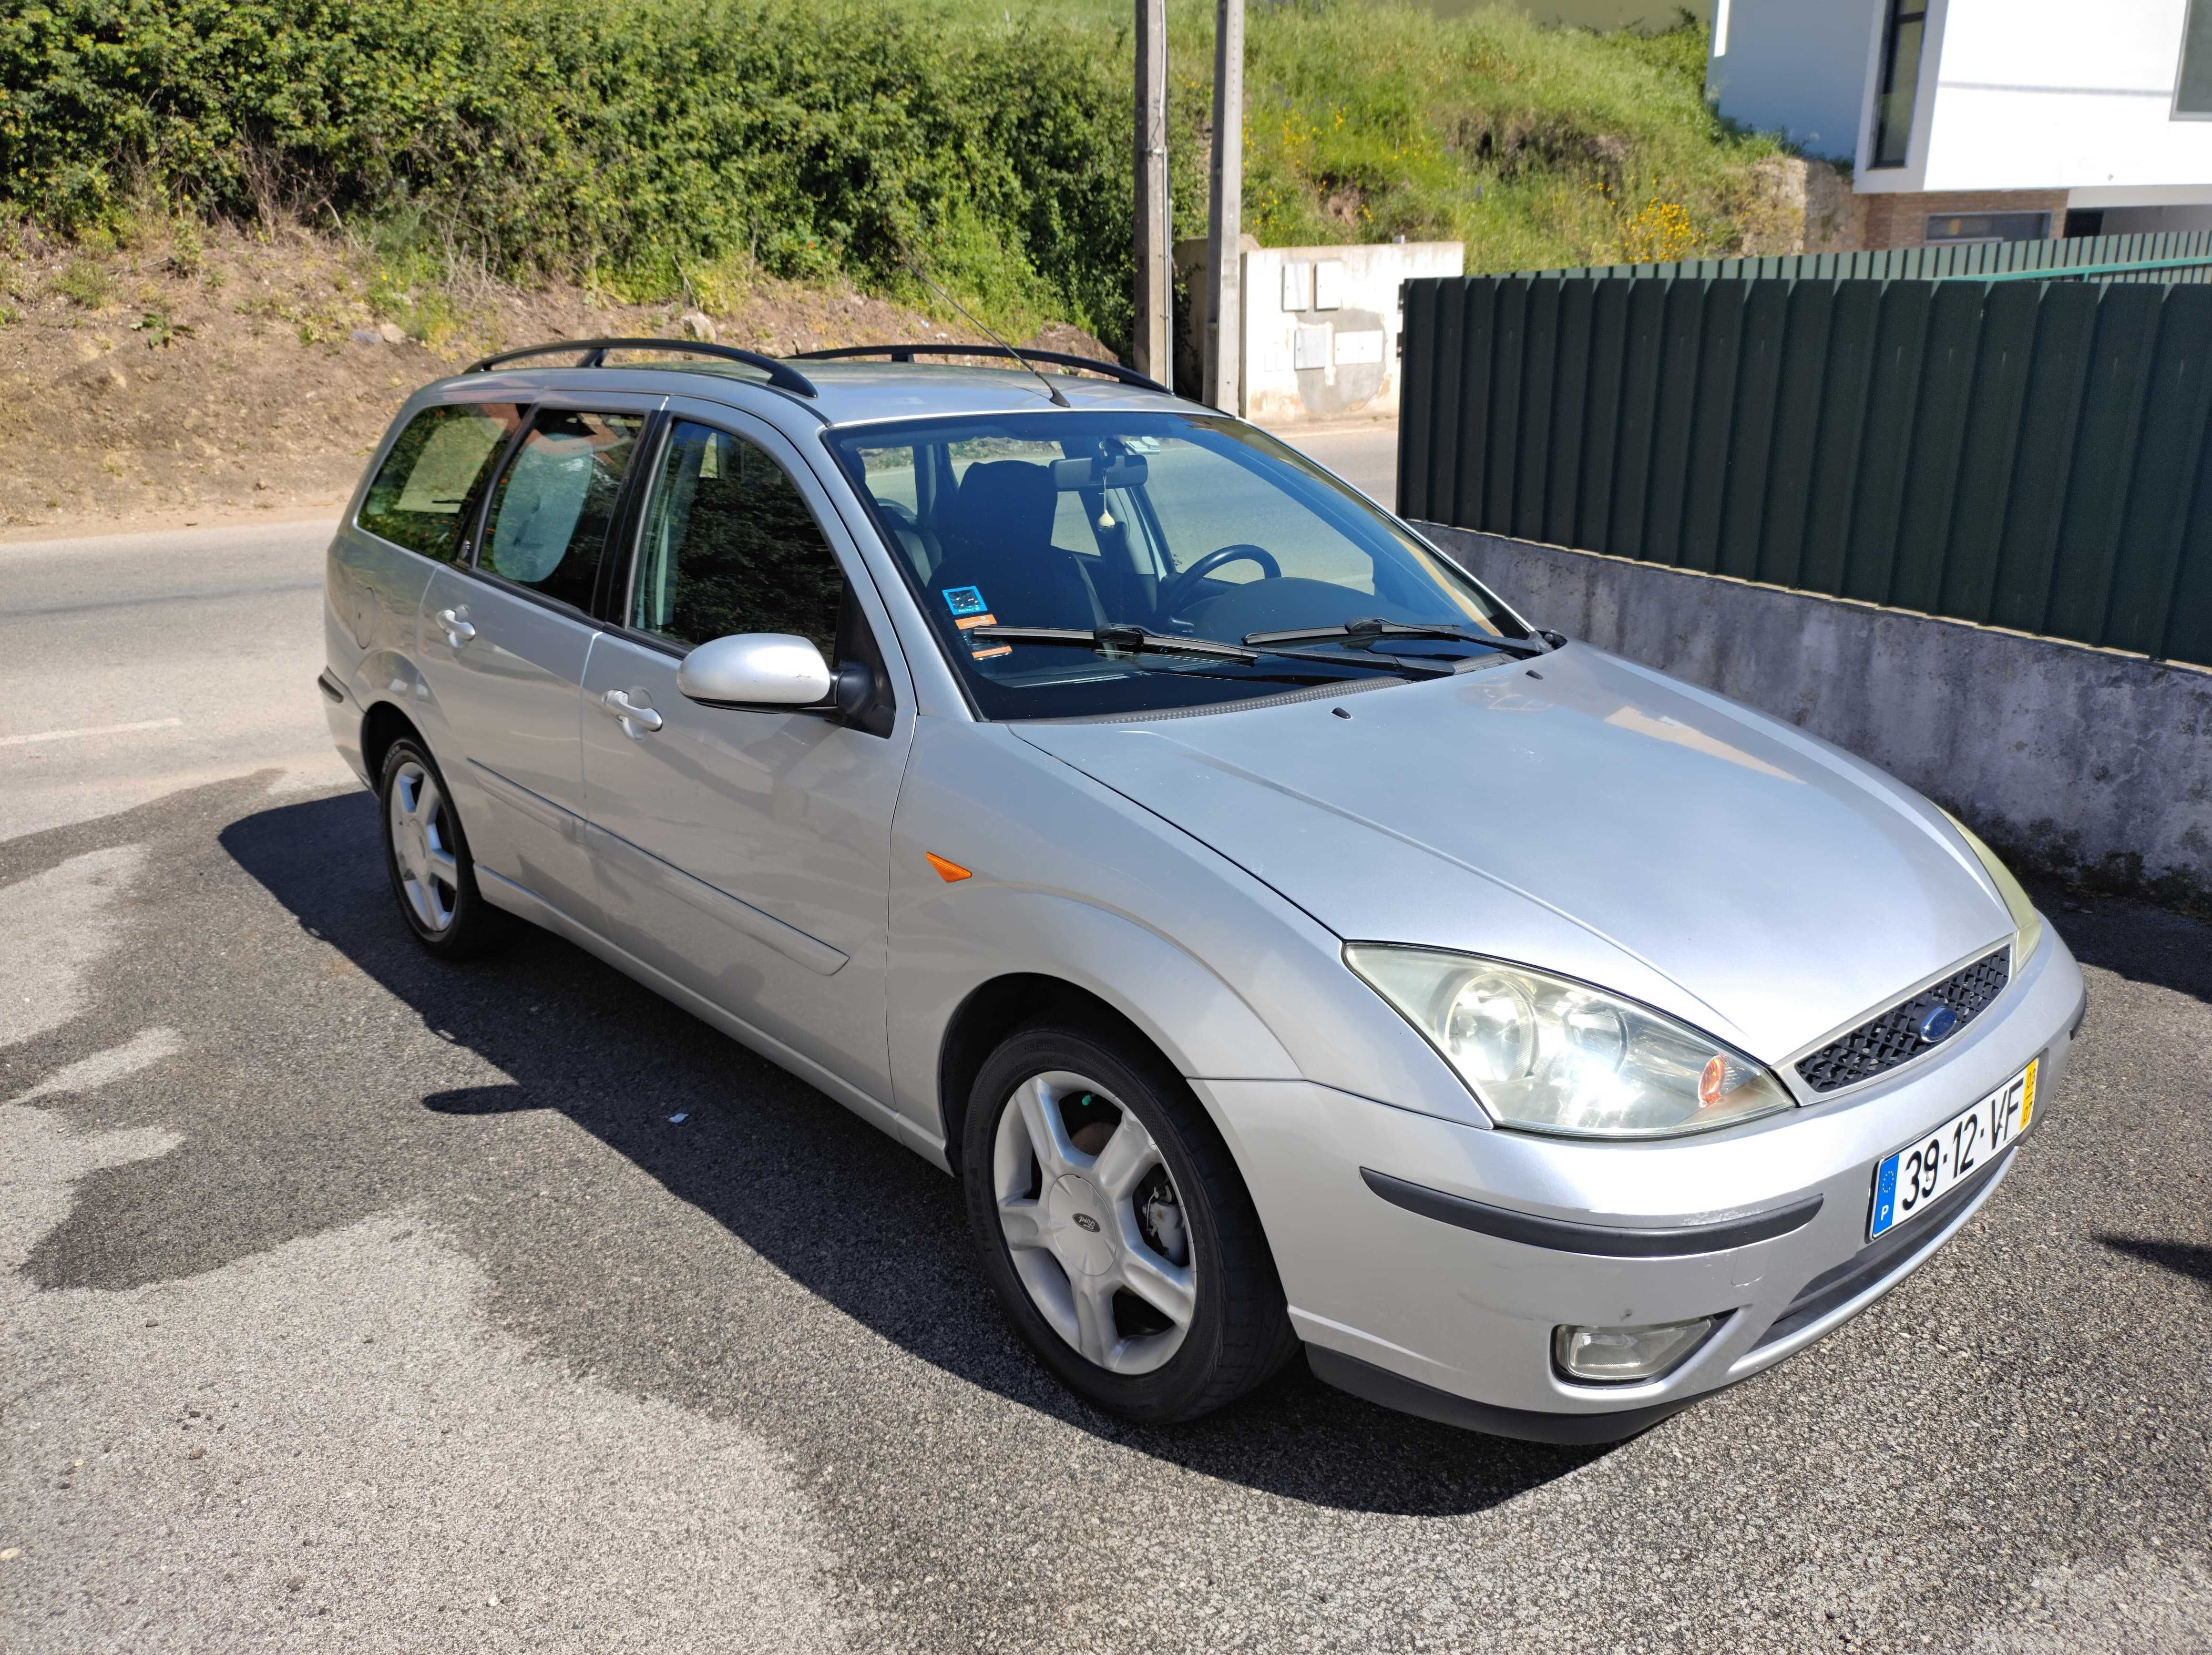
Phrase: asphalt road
(136,664)
(352,1301)
(1364,454)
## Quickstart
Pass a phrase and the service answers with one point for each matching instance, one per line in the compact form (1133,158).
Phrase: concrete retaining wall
(2080,762)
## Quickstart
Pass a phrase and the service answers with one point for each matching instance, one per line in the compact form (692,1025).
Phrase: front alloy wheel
(1094,1223)
(1114,1227)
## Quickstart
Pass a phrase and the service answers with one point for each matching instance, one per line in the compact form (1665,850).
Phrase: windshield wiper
(1134,640)
(1374,628)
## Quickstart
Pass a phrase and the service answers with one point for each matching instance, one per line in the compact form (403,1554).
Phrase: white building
(1980,120)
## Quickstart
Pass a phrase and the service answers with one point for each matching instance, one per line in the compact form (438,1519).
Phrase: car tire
(1094,1245)
(426,855)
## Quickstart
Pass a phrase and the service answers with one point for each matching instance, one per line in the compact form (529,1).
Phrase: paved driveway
(352,1301)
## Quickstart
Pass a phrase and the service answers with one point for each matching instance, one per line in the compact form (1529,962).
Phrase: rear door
(506,633)
(745,851)
(414,514)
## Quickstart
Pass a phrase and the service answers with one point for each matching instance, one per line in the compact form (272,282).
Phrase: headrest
(1007,504)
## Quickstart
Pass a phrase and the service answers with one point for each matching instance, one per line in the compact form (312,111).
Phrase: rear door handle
(456,624)
(636,721)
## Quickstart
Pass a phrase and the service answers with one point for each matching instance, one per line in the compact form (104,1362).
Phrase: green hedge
(631,142)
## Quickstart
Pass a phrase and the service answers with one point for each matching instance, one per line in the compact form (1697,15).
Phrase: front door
(745,852)
(504,639)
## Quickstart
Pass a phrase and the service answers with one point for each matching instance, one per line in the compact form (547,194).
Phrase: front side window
(2192,88)
(1900,81)
(1191,531)
(552,506)
(433,473)
(729,546)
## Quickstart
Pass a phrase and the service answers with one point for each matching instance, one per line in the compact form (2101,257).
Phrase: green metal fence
(1933,264)
(2030,454)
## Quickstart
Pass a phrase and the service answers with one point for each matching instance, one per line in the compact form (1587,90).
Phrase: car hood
(1584,816)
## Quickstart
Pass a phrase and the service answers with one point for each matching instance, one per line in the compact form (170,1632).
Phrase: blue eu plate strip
(1884,1195)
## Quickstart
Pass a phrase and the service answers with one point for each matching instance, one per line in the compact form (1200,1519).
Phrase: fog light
(1624,1355)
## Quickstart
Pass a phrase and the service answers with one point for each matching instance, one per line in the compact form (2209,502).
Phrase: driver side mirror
(756,669)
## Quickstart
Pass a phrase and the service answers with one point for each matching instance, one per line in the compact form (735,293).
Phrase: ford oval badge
(1937,1024)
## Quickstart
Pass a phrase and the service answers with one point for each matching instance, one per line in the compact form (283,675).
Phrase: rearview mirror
(756,669)
(1090,471)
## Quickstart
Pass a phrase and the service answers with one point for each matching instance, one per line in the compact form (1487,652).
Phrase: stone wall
(1802,206)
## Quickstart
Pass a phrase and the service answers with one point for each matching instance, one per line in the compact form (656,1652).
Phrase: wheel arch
(1023,951)
(381,726)
(995,1009)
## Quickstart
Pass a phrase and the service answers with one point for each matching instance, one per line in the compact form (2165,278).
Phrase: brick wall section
(1900,218)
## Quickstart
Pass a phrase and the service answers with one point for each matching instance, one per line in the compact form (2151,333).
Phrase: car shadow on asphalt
(2180,1257)
(852,1218)
(2129,937)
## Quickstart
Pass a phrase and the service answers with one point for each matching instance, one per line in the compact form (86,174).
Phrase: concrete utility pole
(1225,218)
(1152,343)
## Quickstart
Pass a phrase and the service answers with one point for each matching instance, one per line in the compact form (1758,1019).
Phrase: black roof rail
(780,374)
(1127,376)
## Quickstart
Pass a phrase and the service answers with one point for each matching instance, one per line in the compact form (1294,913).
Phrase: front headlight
(2027,922)
(1555,1056)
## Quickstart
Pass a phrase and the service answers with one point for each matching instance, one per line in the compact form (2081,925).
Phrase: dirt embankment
(229,375)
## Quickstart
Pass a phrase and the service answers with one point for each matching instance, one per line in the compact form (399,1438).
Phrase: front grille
(1880,1043)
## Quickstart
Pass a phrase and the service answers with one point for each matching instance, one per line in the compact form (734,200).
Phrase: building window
(1900,80)
(2192,88)
(1950,229)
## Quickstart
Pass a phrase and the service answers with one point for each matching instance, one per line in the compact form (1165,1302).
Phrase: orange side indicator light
(951,872)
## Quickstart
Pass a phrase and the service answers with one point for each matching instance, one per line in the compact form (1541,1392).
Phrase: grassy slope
(1535,147)
(189,375)
(1369,119)
(683,149)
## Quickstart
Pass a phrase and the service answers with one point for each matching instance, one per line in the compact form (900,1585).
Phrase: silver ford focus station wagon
(1282,941)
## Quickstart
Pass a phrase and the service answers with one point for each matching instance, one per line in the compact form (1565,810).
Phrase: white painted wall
(1322,327)
(2043,94)
(2014,94)
(1796,67)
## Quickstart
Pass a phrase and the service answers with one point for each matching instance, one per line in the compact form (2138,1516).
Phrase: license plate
(1916,1177)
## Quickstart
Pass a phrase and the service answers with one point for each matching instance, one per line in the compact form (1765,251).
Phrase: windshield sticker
(969,611)
(982,649)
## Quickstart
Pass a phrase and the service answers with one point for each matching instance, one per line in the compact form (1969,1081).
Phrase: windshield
(1183,528)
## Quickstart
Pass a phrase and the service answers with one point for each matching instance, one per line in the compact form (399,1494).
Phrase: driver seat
(997,531)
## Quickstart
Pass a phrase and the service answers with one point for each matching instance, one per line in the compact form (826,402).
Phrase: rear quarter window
(424,490)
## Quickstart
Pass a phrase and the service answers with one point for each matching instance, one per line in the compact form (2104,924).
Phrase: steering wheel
(1178,590)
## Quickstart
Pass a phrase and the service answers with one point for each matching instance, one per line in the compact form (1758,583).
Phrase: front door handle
(637,722)
(456,624)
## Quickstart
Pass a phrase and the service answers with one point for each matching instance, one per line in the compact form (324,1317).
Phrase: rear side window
(551,509)
(421,491)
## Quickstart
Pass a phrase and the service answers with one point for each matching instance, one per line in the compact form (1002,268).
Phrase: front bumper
(1426,1313)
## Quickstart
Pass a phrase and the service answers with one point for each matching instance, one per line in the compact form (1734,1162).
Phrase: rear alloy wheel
(1116,1230)
(427,857)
